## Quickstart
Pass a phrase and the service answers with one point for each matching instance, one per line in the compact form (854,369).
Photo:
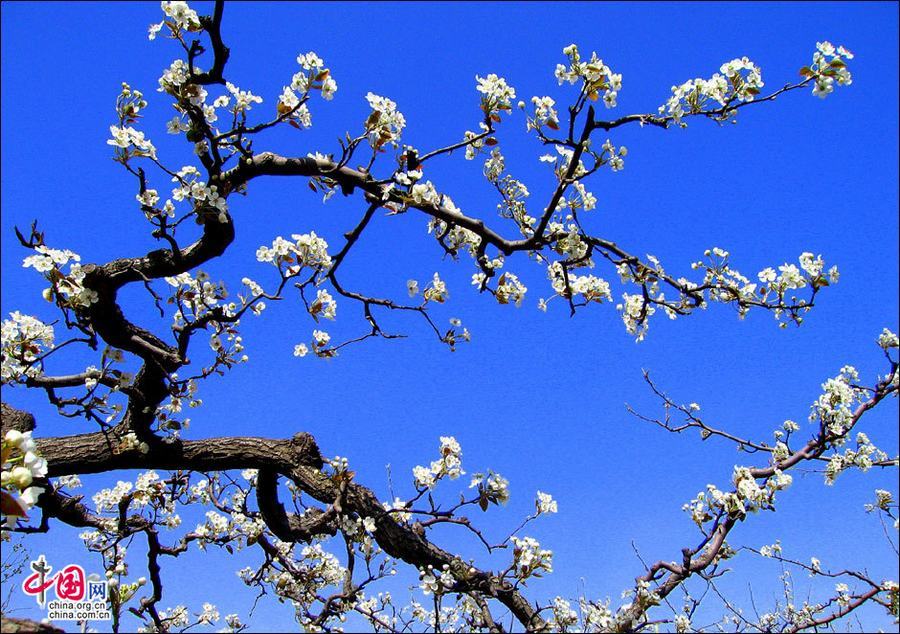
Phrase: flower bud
(20,477)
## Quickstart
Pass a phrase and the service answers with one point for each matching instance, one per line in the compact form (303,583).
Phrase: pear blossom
(545,503)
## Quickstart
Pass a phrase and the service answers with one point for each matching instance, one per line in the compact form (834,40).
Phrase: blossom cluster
(729,284)
(828,72)
(614,157)
(397,510)
(24,339)
(385,123)
(196,296)
(564,616)
(833,410)
(496,95)
(454,238)
(545,114)
(740,81)
(324,306)
(204,197)
(66,286)
(513,192)
(243,99)
(436,291)
(544,503)
(529,559)
(130,142)
(184,392)
(569,284)
(314,570)
(109,498)
(179,17)
(747,496)
(863,456)
(320,341)
(448,465)
(290,107)
(174,78)
(493,489)
(636,312)
(464,614)
(644,597)
(562,162)
(129,103)
(306,250)
(510,289)
(722,283)
(474,144)
(313,75)
(594,74)
(21,466)
(180,617)
(436,582)
(597,616)
(888,340)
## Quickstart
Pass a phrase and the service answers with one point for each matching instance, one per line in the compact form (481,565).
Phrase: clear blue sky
(537,397)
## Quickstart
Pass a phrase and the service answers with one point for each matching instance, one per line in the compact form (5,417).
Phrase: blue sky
(537,397)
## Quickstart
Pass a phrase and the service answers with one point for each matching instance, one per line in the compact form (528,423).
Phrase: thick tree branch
(299,459)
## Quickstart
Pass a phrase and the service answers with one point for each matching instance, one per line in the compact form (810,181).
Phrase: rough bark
(12,418)
(10,625)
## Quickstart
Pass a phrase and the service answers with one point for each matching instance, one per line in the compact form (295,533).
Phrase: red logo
(70,582)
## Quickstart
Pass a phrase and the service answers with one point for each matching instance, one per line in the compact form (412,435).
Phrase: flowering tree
(327,555)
